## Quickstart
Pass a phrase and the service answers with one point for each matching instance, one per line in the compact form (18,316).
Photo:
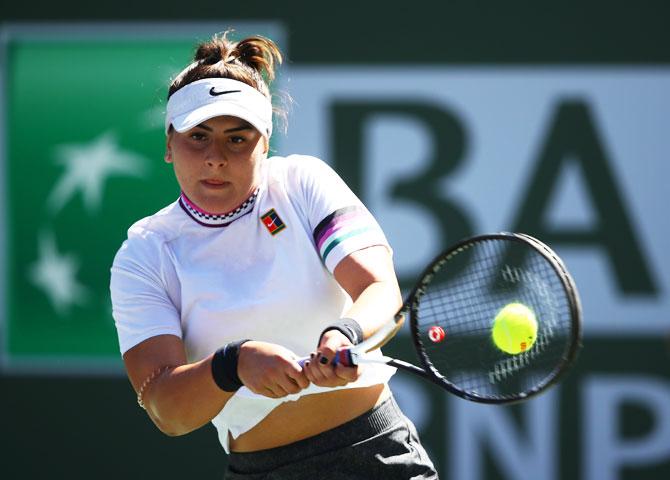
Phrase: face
(217,163)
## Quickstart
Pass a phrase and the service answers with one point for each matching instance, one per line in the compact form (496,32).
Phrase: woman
(207,302)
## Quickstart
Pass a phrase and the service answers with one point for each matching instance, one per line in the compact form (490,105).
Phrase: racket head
(462,291)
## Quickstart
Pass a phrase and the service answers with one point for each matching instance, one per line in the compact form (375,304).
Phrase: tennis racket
(452,309)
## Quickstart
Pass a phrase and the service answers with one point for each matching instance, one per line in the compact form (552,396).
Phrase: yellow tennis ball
(514,328)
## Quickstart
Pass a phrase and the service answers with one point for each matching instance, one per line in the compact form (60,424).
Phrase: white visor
(213,97)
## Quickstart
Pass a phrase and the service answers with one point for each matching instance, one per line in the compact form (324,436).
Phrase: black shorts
(381,443)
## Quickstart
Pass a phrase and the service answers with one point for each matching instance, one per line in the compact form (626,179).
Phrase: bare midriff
(309,416)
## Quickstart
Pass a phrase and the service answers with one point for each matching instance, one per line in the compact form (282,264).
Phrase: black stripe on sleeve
(323,224)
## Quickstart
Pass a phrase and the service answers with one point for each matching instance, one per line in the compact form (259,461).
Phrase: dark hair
(251,61)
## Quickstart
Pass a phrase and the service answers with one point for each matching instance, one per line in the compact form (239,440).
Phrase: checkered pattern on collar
(219,219)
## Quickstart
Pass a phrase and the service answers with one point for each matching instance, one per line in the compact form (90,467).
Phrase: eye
(198,136)
(237,139)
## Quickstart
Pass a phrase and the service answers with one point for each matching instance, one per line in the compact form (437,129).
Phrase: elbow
(170,432)
(170,428)
(172,418)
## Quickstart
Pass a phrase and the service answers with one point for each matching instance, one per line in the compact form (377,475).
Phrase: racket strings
(463,299)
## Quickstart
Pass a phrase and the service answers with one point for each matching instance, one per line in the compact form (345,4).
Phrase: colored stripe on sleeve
(324,224)
(340,226)
(339,239)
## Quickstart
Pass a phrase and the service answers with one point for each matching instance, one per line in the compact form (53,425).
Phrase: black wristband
(224,366)
(348,327)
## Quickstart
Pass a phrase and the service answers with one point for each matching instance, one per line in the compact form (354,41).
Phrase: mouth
(214,183)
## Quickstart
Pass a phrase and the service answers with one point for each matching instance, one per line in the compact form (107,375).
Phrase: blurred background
(447,118)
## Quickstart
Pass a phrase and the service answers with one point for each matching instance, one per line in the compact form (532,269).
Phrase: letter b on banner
(439,152)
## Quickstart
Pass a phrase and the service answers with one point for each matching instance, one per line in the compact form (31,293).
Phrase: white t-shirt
(267,275)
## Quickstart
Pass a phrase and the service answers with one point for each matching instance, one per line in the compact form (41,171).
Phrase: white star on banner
(87,167)
(55,274)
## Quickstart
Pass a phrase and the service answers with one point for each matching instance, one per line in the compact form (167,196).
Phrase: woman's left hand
(319,368)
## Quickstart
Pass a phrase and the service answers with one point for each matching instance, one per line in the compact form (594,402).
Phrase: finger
(334,380)
(308,371)
(322,370)
(327,368)
(324,376)
(324,361)
(299,378)
(266,392)
(349,374)
(289,385)
(328,352)
(328,381)
(274,394)
(269,388)
(330,375)
(316,362)
(281,389)
(314,373)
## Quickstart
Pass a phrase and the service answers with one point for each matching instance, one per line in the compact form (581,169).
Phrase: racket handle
(343,356)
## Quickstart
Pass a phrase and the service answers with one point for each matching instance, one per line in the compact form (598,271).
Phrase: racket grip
(344,357)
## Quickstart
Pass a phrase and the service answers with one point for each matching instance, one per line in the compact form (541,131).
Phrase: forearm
(184,398)
(376,304)
(369,278)
(373,306)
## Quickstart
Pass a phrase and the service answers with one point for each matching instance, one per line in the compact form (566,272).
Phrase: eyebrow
(245,126)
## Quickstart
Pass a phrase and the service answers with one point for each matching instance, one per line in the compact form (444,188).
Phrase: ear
(267,145)
(168,149)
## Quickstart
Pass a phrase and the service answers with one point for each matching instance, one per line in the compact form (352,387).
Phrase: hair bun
(251,60)
(212,52)
(261,54)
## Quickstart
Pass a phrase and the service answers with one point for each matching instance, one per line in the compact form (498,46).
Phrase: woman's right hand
(270,370)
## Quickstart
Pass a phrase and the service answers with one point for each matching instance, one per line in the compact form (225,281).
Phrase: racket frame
(356,355)
(414,299)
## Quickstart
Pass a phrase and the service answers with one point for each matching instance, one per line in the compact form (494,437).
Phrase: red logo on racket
(436,334)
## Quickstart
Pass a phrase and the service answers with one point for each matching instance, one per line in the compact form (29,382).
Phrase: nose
(216,162)
(216,157)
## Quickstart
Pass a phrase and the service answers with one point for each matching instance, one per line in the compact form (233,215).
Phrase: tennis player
(261,260)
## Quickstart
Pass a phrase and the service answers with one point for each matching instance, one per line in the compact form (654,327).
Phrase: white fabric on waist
(246,409)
